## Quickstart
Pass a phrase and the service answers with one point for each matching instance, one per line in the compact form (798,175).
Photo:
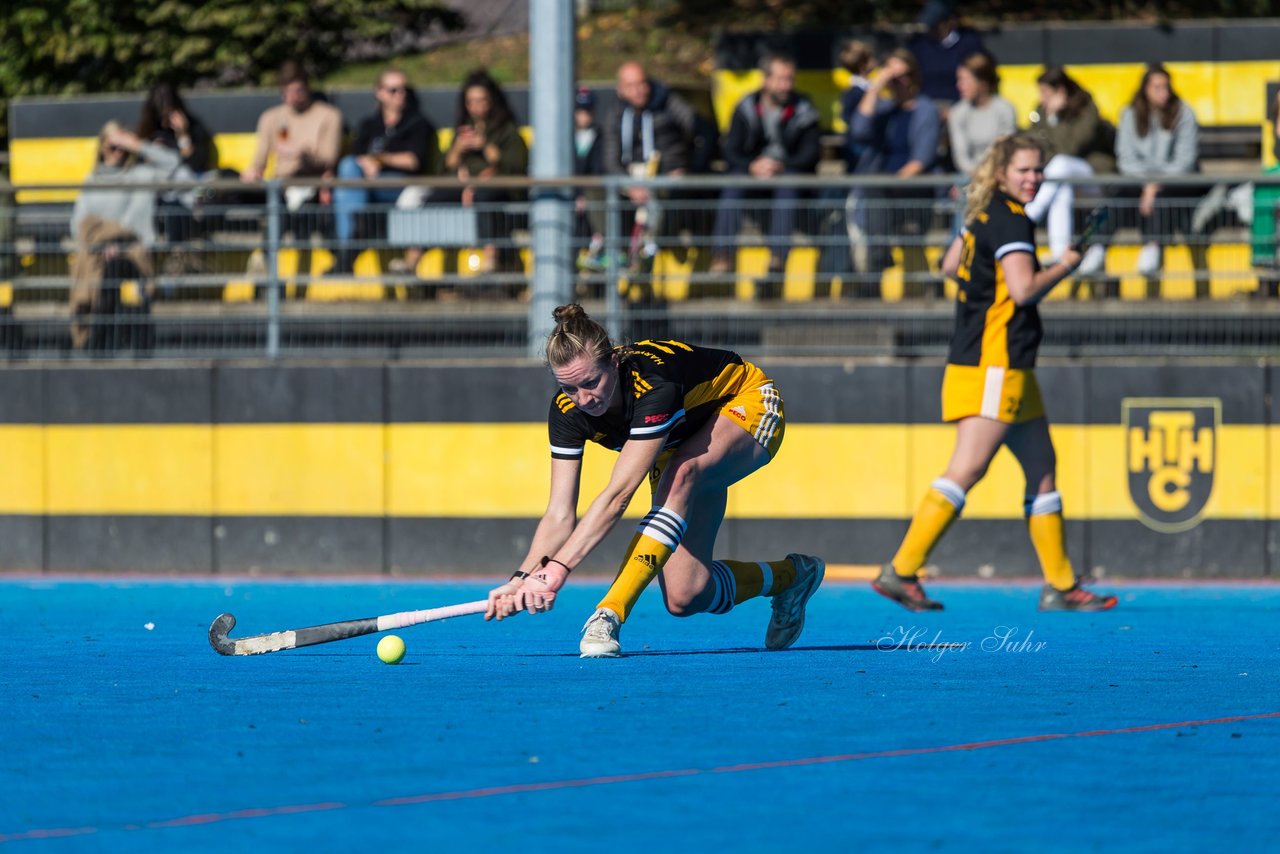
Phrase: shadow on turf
(752,650)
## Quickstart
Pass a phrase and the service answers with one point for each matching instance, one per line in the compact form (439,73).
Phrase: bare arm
(561,514)
(262,149)
(633,465)
(951,260)
(1028,287)
(553,529)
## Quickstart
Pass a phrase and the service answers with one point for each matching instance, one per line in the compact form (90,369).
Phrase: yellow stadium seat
(130,292)
(242,290)
(470,262)
(800,275)
(752,264)
(674,270)
(343,288)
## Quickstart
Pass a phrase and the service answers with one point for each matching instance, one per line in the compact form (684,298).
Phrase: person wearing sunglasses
(395,140)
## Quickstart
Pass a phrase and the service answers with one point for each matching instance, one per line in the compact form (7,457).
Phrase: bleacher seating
(1212,64)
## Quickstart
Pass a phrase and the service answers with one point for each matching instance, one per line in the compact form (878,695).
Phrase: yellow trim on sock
(931,521)
(1050,541)
(644,560)
(749,580)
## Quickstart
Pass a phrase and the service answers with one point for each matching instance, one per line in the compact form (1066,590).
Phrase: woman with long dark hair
(1159,136)
(486,143)
(1079,143)
(166,120)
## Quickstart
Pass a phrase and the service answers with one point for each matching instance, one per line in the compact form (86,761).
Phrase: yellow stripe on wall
(501,470)
(131,469)
(299,469)
(22,456)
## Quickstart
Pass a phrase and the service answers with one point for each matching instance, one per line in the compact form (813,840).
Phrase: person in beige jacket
(304,133)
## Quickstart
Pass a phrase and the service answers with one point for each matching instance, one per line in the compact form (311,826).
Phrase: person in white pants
(1081,144)
(1053,205)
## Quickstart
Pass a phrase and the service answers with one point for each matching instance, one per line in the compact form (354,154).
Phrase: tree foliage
(119,45)
(702,14)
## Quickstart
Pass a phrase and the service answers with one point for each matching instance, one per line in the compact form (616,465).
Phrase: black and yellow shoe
(905,590)
(1074,599)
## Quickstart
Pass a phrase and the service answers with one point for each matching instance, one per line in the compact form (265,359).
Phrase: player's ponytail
(574,335)
(987,176)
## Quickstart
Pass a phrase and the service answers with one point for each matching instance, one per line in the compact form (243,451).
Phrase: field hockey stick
(276,641)
(1097,219)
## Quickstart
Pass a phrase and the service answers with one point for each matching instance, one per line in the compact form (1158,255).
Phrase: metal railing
(827,266)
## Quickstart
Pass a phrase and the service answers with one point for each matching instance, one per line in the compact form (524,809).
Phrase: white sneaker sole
(600,653)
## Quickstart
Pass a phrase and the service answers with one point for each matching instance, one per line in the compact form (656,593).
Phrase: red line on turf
(551,785)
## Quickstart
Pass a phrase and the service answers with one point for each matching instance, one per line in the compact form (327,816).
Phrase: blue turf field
(118,737)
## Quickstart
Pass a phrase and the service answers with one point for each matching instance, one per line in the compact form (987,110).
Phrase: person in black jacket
(773,133)
(650,131)
(588,159)
(393,141)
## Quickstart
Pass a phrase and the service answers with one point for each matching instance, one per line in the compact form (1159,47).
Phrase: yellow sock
(753,579)
(939,508)
(656,539)
(1045,526)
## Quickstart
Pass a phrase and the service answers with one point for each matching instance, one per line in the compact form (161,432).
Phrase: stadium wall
(1168,469)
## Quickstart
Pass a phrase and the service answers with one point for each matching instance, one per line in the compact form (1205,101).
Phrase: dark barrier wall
(1167,470)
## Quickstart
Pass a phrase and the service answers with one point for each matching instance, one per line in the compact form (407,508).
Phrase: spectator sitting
(1080,143)
(1158,136)
(166,120)
(981,115)
(113,229)
(858,58)
(773,132)
(1263,216)
(123,157)
(304,133)
(394,141)
(486,143)
(977,119)
(588,159)
(648,133)
(940,49)
(901,133)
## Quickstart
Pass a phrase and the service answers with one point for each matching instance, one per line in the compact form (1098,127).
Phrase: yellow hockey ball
(391,649)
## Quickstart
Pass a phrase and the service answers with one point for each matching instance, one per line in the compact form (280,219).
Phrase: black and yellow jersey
(990,328)
(669,390)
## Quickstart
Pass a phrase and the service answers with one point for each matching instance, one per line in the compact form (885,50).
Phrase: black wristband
(519,573)
(546,560)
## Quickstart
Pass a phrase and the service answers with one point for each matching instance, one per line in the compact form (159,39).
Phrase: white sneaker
(1149,259)
(1208,207)
(1095,257)
(787,621)
(600,635)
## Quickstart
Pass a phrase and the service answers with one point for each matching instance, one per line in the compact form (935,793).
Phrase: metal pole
(613,247)
(551,80)
(273,280)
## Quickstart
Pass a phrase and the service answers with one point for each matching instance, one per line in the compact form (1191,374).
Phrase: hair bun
(566,313)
